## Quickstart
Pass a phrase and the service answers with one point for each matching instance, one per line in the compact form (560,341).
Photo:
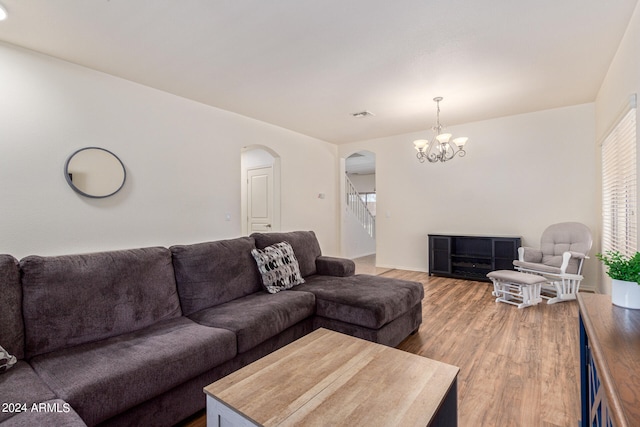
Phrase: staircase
(359,208)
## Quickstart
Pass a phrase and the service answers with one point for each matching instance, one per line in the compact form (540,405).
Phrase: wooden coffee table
(331,379)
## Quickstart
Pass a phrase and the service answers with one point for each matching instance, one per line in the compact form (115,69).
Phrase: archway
(260,189)
(359,206)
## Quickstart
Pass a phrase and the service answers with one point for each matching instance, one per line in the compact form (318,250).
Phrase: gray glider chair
(563,249)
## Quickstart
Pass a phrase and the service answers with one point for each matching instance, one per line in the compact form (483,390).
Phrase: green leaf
(621,267)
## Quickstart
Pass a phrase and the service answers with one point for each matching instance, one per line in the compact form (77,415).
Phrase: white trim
(631,103)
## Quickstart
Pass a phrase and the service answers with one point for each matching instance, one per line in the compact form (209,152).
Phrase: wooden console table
(609,362)
(471,257)
(331,379)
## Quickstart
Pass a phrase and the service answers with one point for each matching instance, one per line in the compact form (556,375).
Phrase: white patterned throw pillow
(278,266)
(6,360)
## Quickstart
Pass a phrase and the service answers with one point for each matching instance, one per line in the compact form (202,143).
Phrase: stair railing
(359,208)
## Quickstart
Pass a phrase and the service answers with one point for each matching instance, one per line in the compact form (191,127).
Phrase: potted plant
(625,278)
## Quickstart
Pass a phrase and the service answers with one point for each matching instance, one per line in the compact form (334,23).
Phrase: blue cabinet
(609,363)
(595,408)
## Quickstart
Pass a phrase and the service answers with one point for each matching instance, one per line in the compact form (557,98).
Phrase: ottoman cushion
(511,276)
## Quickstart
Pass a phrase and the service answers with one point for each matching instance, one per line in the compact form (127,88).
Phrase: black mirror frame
(76,189)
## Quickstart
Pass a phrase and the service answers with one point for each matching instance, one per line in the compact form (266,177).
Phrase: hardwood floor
(367,265)
(518,367)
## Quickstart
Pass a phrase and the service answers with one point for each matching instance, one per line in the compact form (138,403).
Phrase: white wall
(521,174)
(622,80)
(182,160)
(357,242)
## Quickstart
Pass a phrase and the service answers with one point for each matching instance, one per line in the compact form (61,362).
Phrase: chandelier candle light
(441,148)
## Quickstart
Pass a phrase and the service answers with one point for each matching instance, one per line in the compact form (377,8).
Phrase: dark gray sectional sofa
(131,337)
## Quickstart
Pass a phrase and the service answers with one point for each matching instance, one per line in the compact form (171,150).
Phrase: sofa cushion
(12,329)
(121,372)
(364,300)
(54,412)
(21,385)
(305,246)
(258,317)
(278,267)
(212,273)
(76,299)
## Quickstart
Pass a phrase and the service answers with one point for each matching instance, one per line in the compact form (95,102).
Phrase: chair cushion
(538,267)
(304,243)
(212,273)
(364,300)
(12,329)
(258,317)
(564,237)
(105,378)
(77,299)
(21,385)
(278,267)
(531,254)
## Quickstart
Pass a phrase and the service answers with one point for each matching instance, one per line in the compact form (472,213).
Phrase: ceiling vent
(362,114)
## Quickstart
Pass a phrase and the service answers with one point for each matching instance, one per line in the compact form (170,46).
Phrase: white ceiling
(306,65)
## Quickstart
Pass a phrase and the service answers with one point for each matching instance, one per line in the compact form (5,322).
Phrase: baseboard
(584,287)
(362,255)
(399,267)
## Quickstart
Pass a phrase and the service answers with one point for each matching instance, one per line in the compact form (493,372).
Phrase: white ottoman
(514,287)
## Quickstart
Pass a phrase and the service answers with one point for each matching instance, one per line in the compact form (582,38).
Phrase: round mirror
(95,172)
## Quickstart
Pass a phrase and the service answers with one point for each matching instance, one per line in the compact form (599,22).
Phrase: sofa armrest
(331,266)
(527,254)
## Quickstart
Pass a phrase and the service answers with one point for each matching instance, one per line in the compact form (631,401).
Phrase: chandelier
(441,148)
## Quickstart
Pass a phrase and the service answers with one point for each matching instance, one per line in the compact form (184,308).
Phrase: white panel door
(260,199)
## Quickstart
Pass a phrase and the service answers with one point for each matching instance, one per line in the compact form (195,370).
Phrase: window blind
(619,187)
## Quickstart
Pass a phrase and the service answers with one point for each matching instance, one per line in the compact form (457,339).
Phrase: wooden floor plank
(518,367)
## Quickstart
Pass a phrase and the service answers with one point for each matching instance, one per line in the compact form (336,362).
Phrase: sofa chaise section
(378,309)
(105,331)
